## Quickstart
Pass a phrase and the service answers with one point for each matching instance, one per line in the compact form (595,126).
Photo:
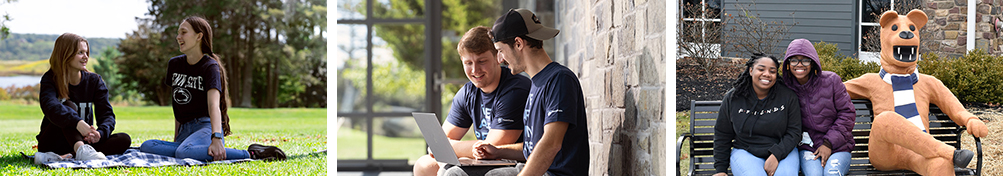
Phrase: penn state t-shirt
(556,95)
(500,109)
(190,85)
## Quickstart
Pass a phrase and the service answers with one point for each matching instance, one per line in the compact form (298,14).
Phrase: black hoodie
(91,98)
(761,127)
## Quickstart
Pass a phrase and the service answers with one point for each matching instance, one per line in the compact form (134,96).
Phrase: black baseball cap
(518,22)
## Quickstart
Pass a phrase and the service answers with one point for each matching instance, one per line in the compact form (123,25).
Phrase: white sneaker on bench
(87,153)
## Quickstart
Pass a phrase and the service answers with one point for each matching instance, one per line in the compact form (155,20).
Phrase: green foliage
(265,46)
(458,16)
(844,66)
(973,77)
(394,85)
(35,47)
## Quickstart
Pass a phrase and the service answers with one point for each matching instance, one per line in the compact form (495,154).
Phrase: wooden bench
(703,115)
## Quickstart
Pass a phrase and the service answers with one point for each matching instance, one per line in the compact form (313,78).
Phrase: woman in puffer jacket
(827,115)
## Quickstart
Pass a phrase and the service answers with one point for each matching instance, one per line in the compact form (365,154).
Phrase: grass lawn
(683,126)
(298,132)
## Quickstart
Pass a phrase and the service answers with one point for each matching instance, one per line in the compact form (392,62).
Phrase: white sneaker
(87,153)
(47,157)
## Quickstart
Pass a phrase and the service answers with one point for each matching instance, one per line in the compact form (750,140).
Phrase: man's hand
(824,153)
(484,150)
(977,128)
(771,165)
(216,150)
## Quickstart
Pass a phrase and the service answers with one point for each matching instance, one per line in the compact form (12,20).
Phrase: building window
(701,21)
(869,31)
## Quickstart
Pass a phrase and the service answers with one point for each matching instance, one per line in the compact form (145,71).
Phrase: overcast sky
(88,18)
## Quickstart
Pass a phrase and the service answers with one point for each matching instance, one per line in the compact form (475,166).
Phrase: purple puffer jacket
(827,113)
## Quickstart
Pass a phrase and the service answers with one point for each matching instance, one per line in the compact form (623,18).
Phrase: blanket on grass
(135,158)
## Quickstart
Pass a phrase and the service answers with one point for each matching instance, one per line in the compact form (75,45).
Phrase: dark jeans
(115,144)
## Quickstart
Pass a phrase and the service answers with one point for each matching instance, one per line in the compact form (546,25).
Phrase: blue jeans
(744,163)
(837,165)
(195,137)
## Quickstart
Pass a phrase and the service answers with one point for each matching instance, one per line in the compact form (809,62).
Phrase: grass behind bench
(296,131)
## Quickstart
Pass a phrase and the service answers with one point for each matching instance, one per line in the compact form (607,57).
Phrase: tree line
(274,51)
(35,47)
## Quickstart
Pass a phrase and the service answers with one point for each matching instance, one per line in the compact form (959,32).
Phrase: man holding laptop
(492,102)
(556,135)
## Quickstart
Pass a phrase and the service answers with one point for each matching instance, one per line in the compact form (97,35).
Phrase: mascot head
(900,40)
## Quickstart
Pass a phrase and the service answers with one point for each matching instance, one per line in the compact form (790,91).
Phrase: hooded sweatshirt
(761,127)
(827,113)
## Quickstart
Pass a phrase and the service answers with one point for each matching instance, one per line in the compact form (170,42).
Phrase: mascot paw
(977,128)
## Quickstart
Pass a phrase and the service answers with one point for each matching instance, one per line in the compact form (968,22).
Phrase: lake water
(19,81)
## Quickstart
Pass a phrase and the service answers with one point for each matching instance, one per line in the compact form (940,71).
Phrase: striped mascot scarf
(905,99)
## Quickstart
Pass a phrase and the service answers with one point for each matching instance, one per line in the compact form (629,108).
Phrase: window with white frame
(701,21)
(869,31)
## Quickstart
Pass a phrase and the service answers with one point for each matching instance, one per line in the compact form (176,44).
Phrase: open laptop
(440,146)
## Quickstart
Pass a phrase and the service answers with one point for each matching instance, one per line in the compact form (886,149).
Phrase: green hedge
(973,77)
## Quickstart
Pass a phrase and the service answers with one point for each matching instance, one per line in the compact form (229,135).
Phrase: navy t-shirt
(190,85)
(556,95)
(499,109)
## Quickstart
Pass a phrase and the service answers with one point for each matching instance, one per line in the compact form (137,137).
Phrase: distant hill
(35,47)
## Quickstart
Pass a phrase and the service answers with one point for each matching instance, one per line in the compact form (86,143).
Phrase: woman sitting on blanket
(71,97)
(198,83)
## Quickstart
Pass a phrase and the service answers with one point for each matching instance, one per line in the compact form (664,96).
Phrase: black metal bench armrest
(679,147)
(978,164)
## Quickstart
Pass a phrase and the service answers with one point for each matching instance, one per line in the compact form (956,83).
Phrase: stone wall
(617,48)
(947,28)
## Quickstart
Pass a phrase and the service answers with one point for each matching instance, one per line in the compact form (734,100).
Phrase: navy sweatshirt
(91,98)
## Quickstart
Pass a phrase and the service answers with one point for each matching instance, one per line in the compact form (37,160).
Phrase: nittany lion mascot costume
(901,96)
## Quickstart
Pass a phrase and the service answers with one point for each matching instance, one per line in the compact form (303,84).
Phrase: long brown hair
(200,25)
(66,46)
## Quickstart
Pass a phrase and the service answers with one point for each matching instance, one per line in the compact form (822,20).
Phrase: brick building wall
(617,48)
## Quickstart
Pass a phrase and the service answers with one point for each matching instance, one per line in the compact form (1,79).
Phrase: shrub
(973,77)
(844,66)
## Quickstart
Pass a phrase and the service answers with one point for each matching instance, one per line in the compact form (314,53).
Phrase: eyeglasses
(806,61)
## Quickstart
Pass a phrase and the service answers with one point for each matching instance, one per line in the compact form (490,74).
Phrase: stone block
(950,34)
(617,166)
(962,40)
(603,15)
(954,10)
(651,73)
(931,5)
(658,154)
(622,9)
(958,18)
(603,47)
(650,103)
(625,37)
(988,35)
(595,124)
(984,9)
(984,27)
(941,21)
(618,84)
(940,13)
(982,44)
(944,5)
(995,11)
(655,17)
(952,26)
(961,2)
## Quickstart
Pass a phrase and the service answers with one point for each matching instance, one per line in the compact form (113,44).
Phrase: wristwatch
(217,135)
